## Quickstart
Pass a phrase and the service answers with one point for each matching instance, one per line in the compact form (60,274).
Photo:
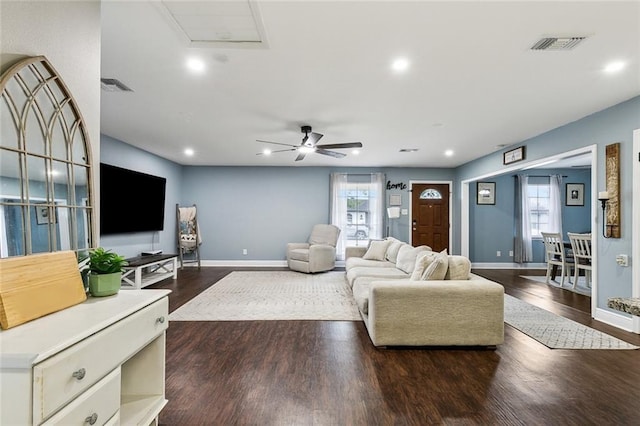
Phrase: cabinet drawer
(96,406)
(59,379)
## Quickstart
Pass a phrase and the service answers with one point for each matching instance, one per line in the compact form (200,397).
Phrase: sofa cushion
(354,262)
(299,254)
(423,260)
(437,270)
(377,249)
(392,250)
(361,288)
(407,255)
(459,268)
(363,271)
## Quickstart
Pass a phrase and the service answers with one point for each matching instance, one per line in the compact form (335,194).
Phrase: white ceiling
(473,82)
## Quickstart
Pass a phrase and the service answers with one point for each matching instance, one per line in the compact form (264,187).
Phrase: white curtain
(555,204)
(338,185)
(376,206)
(523,247)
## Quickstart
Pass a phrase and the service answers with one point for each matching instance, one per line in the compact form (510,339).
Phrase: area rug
(272,295)
(554,331)
(581,288)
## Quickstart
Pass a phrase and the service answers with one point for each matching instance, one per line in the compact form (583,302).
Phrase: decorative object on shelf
(603,196)
(105,272)
(612,179)
(575,194)
(486,193)
(513,155)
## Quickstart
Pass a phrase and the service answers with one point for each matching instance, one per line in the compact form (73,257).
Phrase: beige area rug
(554,331)
(273,295)
(581,288)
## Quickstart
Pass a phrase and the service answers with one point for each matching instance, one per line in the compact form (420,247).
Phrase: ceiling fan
(310,144)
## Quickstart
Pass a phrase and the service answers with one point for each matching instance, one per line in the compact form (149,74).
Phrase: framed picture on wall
(395,200)
(42,215)
(575,194)
(486,193)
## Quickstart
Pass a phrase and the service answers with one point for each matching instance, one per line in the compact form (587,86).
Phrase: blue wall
(614,124)
(492,227)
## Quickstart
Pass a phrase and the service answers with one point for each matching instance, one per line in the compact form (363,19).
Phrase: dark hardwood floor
(329,373)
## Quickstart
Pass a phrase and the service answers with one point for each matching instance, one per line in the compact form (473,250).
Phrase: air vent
(557,43)
(114,85)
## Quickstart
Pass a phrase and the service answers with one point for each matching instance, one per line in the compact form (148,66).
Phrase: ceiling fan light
(306,149)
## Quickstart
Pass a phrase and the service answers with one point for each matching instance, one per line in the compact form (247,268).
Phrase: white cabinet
(99,362)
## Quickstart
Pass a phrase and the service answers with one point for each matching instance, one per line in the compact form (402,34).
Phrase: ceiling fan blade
(280,150)
(277,143)
(330,153)
(312,139)
(341,145)
(300,156)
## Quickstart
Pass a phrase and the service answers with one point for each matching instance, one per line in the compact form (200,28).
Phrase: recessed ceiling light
(448,152)
(400,64)
(266,151)
(195,65)
(189,152)
(614,67)
(409,150)
(355,152)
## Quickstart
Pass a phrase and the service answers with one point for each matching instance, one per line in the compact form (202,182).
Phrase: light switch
(405,212)
(622,260)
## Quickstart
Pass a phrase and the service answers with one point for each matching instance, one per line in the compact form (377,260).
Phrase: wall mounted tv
(130,201)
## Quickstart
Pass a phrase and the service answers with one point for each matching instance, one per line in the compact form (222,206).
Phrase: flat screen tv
(130,201)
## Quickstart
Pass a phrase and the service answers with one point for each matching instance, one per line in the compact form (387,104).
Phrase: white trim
(431,182)
(241,263)
(503,265)
(590,149)
(622,321)
(635,226)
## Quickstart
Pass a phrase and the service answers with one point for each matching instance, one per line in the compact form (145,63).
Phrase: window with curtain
(357,208)
(545,209)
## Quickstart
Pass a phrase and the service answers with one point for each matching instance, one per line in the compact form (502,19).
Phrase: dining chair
(555,255)
(581,247)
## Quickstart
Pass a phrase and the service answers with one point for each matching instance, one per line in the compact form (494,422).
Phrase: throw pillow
(392,250)
(423,260)
(459,268)
(377,249)
(438,268)
(407,255)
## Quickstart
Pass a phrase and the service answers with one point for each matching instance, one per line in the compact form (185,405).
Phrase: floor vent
(557,43)
(114,85)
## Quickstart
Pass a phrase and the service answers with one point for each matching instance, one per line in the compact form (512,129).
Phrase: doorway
(431,214)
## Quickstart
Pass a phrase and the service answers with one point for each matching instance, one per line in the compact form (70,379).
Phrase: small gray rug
(273,295)
(581,288)
(554,331)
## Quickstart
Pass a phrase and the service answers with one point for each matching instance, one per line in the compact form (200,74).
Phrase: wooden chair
(555,255)
(581,247)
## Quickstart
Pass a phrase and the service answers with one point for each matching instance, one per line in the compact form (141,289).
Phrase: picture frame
(513,155)
(574,194)
(486,193)
(42,215)
(395,200)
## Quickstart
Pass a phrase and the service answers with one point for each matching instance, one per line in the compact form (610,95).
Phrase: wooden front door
(430,215)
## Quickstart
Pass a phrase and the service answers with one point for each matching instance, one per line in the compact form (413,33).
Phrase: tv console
(142,271)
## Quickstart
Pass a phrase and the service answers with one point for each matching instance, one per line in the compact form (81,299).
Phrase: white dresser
(96,363)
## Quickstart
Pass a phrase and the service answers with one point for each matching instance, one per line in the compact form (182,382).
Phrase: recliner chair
(319,254)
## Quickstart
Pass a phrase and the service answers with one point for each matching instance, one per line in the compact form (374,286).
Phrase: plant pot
(104,284)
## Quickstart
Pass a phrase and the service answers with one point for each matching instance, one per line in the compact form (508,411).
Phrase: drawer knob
(79,375)
(160,320)
(92,419)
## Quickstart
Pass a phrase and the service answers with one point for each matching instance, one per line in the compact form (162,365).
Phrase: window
(539,202)
(357,208)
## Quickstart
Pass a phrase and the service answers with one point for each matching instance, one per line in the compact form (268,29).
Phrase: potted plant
(105,272)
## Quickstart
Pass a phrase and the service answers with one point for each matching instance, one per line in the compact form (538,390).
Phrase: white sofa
(401,307)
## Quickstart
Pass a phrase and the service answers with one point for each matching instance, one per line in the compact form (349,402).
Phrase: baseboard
(243,263)
(488,265)
(615,319)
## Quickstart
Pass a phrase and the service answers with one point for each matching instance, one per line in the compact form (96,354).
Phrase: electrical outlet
(510,253)
(244,251)
(498,253)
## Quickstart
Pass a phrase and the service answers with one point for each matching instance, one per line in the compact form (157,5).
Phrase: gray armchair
(319,254)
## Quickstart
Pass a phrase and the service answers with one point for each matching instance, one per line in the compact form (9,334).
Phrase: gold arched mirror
(45,164)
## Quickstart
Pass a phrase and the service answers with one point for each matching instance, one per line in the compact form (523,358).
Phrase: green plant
(103,261)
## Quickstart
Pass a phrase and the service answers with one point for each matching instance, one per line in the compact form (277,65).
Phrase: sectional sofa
(412,296)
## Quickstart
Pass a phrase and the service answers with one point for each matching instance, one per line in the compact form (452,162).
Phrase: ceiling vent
(114,85)
(557,43)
